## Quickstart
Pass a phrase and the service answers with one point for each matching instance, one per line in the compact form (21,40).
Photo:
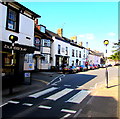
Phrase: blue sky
(91,22)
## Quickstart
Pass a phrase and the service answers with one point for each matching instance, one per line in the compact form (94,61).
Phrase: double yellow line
(41,81)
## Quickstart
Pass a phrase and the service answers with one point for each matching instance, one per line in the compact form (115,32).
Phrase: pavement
(103,101)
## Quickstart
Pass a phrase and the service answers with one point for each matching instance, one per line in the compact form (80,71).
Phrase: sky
(91,22)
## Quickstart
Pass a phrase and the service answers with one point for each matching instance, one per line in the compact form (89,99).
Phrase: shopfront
(61,61)
(16,70)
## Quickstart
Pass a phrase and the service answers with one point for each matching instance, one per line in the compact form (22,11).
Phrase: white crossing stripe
(67,115)
(44,107)
(14,102)
(78,97)
(27,104)
(3,104)
(68,111)
(59,94)
(36,95)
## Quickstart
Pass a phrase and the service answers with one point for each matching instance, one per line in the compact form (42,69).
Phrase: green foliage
(116,51)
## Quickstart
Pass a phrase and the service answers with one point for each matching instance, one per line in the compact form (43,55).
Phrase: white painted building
(59,50)
(18,21)
(76,55)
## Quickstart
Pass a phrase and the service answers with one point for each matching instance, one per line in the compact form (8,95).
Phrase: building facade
(18,21)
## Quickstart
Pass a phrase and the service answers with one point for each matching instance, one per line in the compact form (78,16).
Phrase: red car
(95,66)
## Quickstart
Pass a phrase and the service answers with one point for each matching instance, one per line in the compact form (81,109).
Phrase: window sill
(12,30)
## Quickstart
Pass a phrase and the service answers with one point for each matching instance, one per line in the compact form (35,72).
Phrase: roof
(57,36)
(20,6)
(42,35)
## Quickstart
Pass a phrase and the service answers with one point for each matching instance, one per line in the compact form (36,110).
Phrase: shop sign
(15,48)
(37,43)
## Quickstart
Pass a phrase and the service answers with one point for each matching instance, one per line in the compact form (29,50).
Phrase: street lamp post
(106,42)
(12,38)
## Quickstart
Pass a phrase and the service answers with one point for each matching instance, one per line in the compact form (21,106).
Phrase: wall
(26,28)
(74,58)
(54,49)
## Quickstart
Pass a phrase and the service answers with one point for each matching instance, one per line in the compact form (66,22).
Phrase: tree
(116,51)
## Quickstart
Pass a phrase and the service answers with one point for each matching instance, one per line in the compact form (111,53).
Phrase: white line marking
(27,104)
(62,75)
(78,97)
(68,111)
(68,85)
(14,102)
(44,107)
(59,94)
(3,104)
(36,95)
(67,115)
(76,115)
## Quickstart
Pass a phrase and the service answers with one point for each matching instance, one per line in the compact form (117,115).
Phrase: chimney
(36,21)
(60,32)
(80,44)
(74,39)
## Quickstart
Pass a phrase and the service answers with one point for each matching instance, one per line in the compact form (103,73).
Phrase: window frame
(59,47)
(17,19)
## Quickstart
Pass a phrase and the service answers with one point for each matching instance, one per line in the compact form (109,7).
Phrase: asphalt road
(61,98)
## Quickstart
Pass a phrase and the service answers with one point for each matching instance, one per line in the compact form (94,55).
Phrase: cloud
(88,36)
(81,36)
(111,34)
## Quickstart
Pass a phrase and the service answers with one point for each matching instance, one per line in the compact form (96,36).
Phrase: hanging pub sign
(37,43)
(28,62)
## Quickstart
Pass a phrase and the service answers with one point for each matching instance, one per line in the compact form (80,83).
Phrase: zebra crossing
(65,96)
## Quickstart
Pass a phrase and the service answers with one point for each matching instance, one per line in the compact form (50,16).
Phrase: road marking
(41,81)
(62,75)
(14,102)
(68,111)
(36,95)
(67,85)
(27,104)
(3,104)
(78,113)
(44,107)
(67,115)
(59,94)
(78,97)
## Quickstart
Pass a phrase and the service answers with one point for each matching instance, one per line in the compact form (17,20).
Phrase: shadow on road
(100,106)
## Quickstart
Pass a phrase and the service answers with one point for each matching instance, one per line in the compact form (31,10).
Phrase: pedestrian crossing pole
(12,38)
(106,42)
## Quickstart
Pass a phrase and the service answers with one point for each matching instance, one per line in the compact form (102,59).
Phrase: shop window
(45,59)
(12,20)
(73,53)
(72,63)
(7,59)
(59,49)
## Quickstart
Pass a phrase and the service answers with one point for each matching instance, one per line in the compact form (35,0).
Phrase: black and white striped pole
(12,38)
(106,42)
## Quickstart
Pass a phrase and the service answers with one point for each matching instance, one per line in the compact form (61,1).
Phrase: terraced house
(16,24)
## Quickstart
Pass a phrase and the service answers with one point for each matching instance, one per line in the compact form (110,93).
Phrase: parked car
(83,68)
(95,66)
(91,66)
(78,68)
(72,69)
(109,65)
(117,64)
(66,69)
(102,66)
